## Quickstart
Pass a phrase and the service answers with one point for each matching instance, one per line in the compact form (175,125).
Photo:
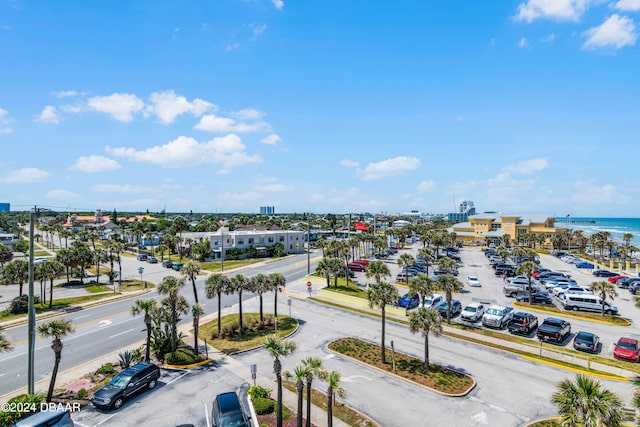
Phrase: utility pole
(32,311)
(308,244)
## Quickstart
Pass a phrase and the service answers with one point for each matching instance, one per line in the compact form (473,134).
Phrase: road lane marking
(121,333)
(104,323)
(206,413)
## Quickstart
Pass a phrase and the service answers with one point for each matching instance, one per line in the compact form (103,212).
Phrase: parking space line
(105,420)
(206,414)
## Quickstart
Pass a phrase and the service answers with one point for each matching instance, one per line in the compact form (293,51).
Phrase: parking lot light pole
(308,243)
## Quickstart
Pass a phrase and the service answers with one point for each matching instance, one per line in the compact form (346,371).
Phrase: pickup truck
(553,329)
(497,316)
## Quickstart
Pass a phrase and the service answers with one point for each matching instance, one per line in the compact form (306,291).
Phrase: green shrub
(32,401)
(263,406)
(181,356)
(257,391)
(82,393)
(125,358)
(106,369)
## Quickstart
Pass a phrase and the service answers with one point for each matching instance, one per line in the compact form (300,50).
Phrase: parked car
(142,257)
(587,302)
(141,376)
(497,316)
(627,349)
(585,264)
(537,298)
(58,417)
(472,312)
(456,308)
(625,283)
(604,273)
(226,410)
(433,301)
(356,267)
(508,271)
(177,266)
(361,261)
(473,281)
(523,323)
(553,329)
(539,271)
(614,279)
(409,301)
(167,264)
(586,341)
(152,260)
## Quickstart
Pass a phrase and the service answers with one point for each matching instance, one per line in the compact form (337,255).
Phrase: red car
(614,279)
(627,349)
(356,267)
(361,261)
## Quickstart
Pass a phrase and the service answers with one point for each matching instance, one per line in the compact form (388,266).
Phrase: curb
(193,365)
(573,316)
(406,379)
(580,371)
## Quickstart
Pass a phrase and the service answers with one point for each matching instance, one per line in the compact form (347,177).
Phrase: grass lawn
(253,337)
(229,264)
(352,289)
(595,316)
(95,288)
(436,377)
(135,285)
(40,253)
(57,304)
(340,411)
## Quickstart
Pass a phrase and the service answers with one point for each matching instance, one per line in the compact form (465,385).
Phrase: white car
(433,301)
(472,312)
(473,281)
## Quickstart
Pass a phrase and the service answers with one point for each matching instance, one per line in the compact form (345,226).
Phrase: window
(281,238)
(270,239)
(240,241)
(250,240)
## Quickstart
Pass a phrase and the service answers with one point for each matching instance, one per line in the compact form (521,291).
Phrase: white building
(293,241)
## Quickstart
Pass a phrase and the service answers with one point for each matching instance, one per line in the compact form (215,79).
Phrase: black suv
(227,411)
(139,377)
(523,323)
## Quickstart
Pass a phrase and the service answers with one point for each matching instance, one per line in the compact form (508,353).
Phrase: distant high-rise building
(5,207)
(267,210)
(465,210)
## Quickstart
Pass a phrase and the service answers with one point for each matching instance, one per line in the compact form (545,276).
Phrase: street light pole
(308,243)
(222,250)
(32,311)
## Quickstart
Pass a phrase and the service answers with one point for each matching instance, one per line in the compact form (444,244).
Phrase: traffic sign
(140,270)
(309,284)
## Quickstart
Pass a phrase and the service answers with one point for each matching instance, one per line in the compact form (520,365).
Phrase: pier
(577,221)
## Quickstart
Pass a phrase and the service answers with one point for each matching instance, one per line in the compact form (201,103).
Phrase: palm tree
(196,311)
(382,294)
(421,285)
(333,387)
(215,286)
(5,344)
(259,284)
(404,261)
(448,284)
(148,307)
(277,348)
(17,271)
(190,270)
(636,396)
(603,289)
(239,284)
(427,254)
(447,264)
(324,268)
(377,270)
(426,321)
(162,249)
(314,367)
(584,402)
(278,283)
(176,304)
(299,374)
(56,329)
(526,269)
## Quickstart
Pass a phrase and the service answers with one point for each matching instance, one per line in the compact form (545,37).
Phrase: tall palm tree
(447,264)
(5,344)
(56,329)
(427,254)
(380,295)
(176,304)
(162,249)
(448,284)
(584,402)
(277,348)
(215,286)
(333,387)
(405,261)
(278,283)
(422,285)
(239,284)
(526,269)
(259,284)
(378,270)
(148,307)
(190,271)
(603,289)
(426,321)
(314,368)
(298,375)
(17,271)
(196,311)
(324,268)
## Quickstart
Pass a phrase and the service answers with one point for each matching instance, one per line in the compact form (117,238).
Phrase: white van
(587,302)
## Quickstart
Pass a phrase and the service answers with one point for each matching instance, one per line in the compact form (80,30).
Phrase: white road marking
(352,378)
(104,323)
(106,419)
(481,417)
(329,356)
(121,333)
(206,413)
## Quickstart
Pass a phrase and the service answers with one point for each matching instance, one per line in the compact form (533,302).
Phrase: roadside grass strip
(609,320)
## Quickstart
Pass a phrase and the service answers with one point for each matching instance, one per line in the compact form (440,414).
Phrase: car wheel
(574,308)
(118,403)
(512,294)
(152,384)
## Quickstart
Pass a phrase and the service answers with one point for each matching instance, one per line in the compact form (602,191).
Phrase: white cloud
(460,118)
(628,5)
(522,42)
(426,186)
(390,167)
(231,46)
(4,122)
(248,114)
(24,175)
(5,27)
(616,32)
(278,4)
(120,106)
(316,197)
(93,164)
(134,189)
(62,195)
(527,167)
(257,29)
(168,105)
(67,93)
(566,10)
(49,114)
(274,187)
(227,151)
(271,139)
(588,194)
(548,39)
(349,163)
(217,124)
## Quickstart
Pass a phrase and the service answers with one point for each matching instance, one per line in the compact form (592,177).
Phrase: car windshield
(470,309)
(494,312)
(472,278)
(628,345)
(232,420)
(585,337)
(120,380)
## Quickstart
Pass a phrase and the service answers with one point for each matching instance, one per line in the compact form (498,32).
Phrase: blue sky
(321,106)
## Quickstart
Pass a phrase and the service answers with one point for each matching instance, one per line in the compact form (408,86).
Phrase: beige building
(494,227)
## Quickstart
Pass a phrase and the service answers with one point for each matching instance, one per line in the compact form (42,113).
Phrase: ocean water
(618,227)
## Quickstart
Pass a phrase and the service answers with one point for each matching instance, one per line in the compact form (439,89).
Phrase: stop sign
(309,284)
